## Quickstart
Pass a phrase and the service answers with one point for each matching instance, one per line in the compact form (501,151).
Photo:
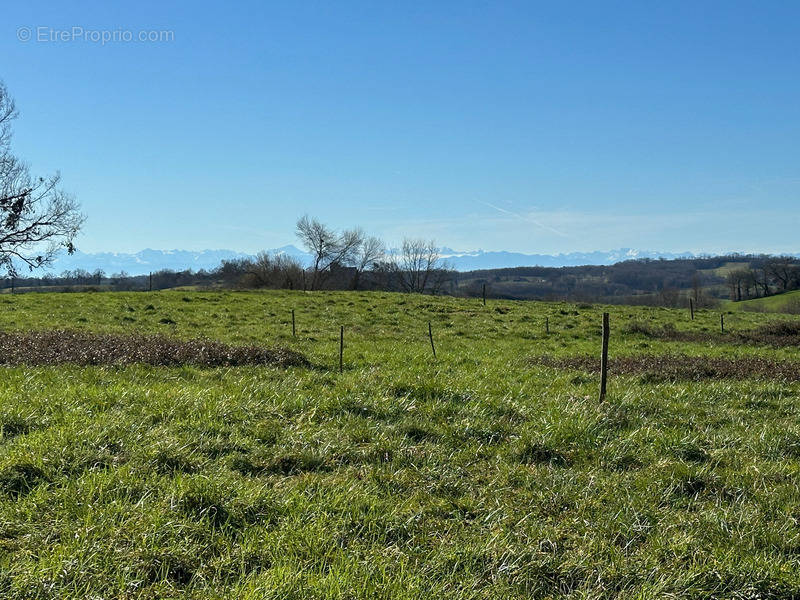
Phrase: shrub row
(778,334)
(54,347)
(675,367)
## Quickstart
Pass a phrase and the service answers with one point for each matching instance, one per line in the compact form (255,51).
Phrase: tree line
(418,266)
(340,260)
(765,276)
(344,260)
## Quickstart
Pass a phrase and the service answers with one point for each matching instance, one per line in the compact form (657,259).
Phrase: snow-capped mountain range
(149,260)
(470,261)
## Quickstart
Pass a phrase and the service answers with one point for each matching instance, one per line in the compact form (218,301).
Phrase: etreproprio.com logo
(45,34)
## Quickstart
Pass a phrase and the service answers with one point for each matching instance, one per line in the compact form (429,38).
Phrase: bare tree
(36,217)
(232,271)
(751,283)
(764,280)
(271,271)
(696,288)
(419,267)
(736,279)
(328,247)
(369,252)
(783,269)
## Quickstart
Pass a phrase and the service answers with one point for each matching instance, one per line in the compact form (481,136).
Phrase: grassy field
(491,471)
(726,269)
(776,303)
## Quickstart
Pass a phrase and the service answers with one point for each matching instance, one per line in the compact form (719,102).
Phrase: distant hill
(786,302)
(622,276)
(141,263)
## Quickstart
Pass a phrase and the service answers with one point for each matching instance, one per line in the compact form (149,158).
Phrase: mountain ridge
(148,259)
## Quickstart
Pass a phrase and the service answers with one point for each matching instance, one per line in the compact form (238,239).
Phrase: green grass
(776,303)
(726,269)
(474,475)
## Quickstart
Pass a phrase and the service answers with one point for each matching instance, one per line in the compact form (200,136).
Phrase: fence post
(604,359)
(484,294)
(430,335)
(150,285)
(691,307)
(547,325)
(341,349)
(294,334)
(722,322)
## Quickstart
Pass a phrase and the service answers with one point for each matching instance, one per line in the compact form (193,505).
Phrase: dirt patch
(676,367)
(83,348)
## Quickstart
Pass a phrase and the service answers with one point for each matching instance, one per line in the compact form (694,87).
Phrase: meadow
(788,302)
(489,471)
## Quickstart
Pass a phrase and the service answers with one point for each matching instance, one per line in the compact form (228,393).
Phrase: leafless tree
(272,271)
(764,280)
(419,267)
(737,279)
(696,288)
(783,269)
(231,271)
(328,247)
(36,217)
(370,252)
(751,283)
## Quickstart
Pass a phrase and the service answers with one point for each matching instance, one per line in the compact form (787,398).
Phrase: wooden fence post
(294,334)
(150,285)
(547,325)
(484,294)
(430,335)
(604,359)
(341,349)
(691,307)
(722,322)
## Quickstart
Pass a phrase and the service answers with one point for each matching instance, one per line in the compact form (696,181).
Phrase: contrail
(526,218)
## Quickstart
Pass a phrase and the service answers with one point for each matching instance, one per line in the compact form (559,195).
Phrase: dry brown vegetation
(779,334)
(54,347)
(676,367)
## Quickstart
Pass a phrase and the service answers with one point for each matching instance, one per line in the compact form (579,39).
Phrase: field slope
(777,303)
(491,471)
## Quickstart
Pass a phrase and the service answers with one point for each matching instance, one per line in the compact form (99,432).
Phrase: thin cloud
(527,218)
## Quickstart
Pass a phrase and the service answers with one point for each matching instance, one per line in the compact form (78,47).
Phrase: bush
(780,328)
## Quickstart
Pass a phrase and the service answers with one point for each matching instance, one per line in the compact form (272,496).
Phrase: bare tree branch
(419,267)
(37,219)
(370,252)
(327,247)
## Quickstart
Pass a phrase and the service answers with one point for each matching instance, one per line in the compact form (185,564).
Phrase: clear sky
(534,127)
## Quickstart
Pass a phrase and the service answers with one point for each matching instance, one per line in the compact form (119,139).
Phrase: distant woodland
(352,260)
(671,283)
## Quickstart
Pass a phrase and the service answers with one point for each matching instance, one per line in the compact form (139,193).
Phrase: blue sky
(523,126)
